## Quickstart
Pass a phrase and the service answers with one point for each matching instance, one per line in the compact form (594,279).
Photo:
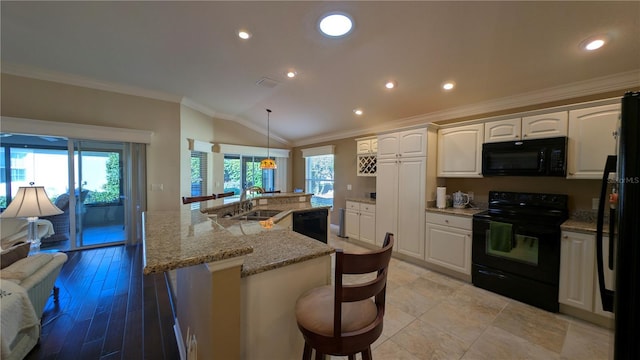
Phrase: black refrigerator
(620,193)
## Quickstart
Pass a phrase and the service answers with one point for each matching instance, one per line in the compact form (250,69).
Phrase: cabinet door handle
(525,135)
(571,174)
(565,237)
(447,221)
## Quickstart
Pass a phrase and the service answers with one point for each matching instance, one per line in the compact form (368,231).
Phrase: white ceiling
(492,50)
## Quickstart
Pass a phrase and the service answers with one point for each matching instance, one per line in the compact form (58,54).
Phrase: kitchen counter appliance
(538,157)
(312,223)
(515,249)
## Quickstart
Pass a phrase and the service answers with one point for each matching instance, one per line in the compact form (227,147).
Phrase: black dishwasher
(312,223)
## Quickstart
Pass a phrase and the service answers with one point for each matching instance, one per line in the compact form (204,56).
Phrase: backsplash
(580,192)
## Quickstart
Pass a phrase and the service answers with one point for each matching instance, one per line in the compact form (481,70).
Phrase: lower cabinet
(360,221)
(579,286)
(448,242)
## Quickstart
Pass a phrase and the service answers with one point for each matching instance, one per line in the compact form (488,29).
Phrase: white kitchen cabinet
(448,242)
(460,151)
(408,143)
(579,273)
(503,130)
(400,203)
(608,279)
(366,150)
(360,221)
(367,145)
(527,128)
(591,138)
(577,270)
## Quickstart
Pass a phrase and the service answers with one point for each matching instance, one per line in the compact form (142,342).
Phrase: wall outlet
(594,203)
(349,187)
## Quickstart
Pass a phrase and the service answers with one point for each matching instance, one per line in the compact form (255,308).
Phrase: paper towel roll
(441,197)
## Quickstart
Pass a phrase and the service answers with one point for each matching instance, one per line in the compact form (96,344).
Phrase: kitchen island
(237,280)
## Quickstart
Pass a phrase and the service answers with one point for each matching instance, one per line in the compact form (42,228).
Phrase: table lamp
(31,202)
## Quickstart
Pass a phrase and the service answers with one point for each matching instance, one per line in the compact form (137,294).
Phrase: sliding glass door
(90,181)
(99,193)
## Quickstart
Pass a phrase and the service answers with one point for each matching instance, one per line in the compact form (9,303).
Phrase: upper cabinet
(408,143)
(366,156)
(591,139)
(367,146)
(528,127)
(460,151)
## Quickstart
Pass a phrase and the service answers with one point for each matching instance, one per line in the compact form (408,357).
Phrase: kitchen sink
(259,214)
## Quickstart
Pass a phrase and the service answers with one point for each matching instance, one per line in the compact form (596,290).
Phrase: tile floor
(433,316)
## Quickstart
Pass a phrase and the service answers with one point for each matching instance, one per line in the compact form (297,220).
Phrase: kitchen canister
(441,197)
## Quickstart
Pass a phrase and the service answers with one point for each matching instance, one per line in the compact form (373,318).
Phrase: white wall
(44,100)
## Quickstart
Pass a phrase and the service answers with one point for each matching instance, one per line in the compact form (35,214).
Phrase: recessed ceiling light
(594,43)
(448,85)
(291,74)
(358,112)
(390,84)
(244,34)
(336,24)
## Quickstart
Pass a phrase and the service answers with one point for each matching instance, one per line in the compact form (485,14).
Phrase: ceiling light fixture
(244,34)
(336,24)
(291,74)
(390,84)
(594,43)
(448,85)
(268,164)
(358,112)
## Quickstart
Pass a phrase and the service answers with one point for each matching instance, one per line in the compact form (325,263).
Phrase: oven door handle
(491,273)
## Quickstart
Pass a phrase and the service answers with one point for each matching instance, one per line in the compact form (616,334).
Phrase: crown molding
(593,86)
(76,80)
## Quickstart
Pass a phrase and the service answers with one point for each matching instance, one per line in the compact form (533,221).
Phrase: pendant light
(268,164)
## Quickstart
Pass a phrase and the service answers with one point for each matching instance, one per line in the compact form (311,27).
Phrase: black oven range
(516,246)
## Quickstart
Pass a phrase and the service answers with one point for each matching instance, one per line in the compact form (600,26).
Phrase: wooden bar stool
(344,320)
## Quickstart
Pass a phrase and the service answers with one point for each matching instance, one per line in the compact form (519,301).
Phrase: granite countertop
(187,237)
(365,200)
(454,211)
(585,226)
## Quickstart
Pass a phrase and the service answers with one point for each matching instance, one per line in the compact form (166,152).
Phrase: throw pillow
(13,254)
(62,201)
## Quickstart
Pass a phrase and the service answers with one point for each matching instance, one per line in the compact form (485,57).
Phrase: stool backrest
(192,199)
(377,262)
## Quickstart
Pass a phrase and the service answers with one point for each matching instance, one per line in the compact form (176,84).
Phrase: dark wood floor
(108,310)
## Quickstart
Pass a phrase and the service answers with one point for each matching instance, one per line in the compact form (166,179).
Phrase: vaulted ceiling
(190,50)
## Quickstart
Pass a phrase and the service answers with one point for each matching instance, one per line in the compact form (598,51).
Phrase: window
(198,173)
(244,171)
(319,174)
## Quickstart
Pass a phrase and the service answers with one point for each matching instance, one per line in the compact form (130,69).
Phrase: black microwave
(538,157)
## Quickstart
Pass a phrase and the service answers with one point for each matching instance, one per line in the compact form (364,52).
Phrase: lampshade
(31,201)
(268,164)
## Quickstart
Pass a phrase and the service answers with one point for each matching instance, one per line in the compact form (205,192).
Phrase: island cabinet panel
(591,139)
(269,328)
(207,317)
